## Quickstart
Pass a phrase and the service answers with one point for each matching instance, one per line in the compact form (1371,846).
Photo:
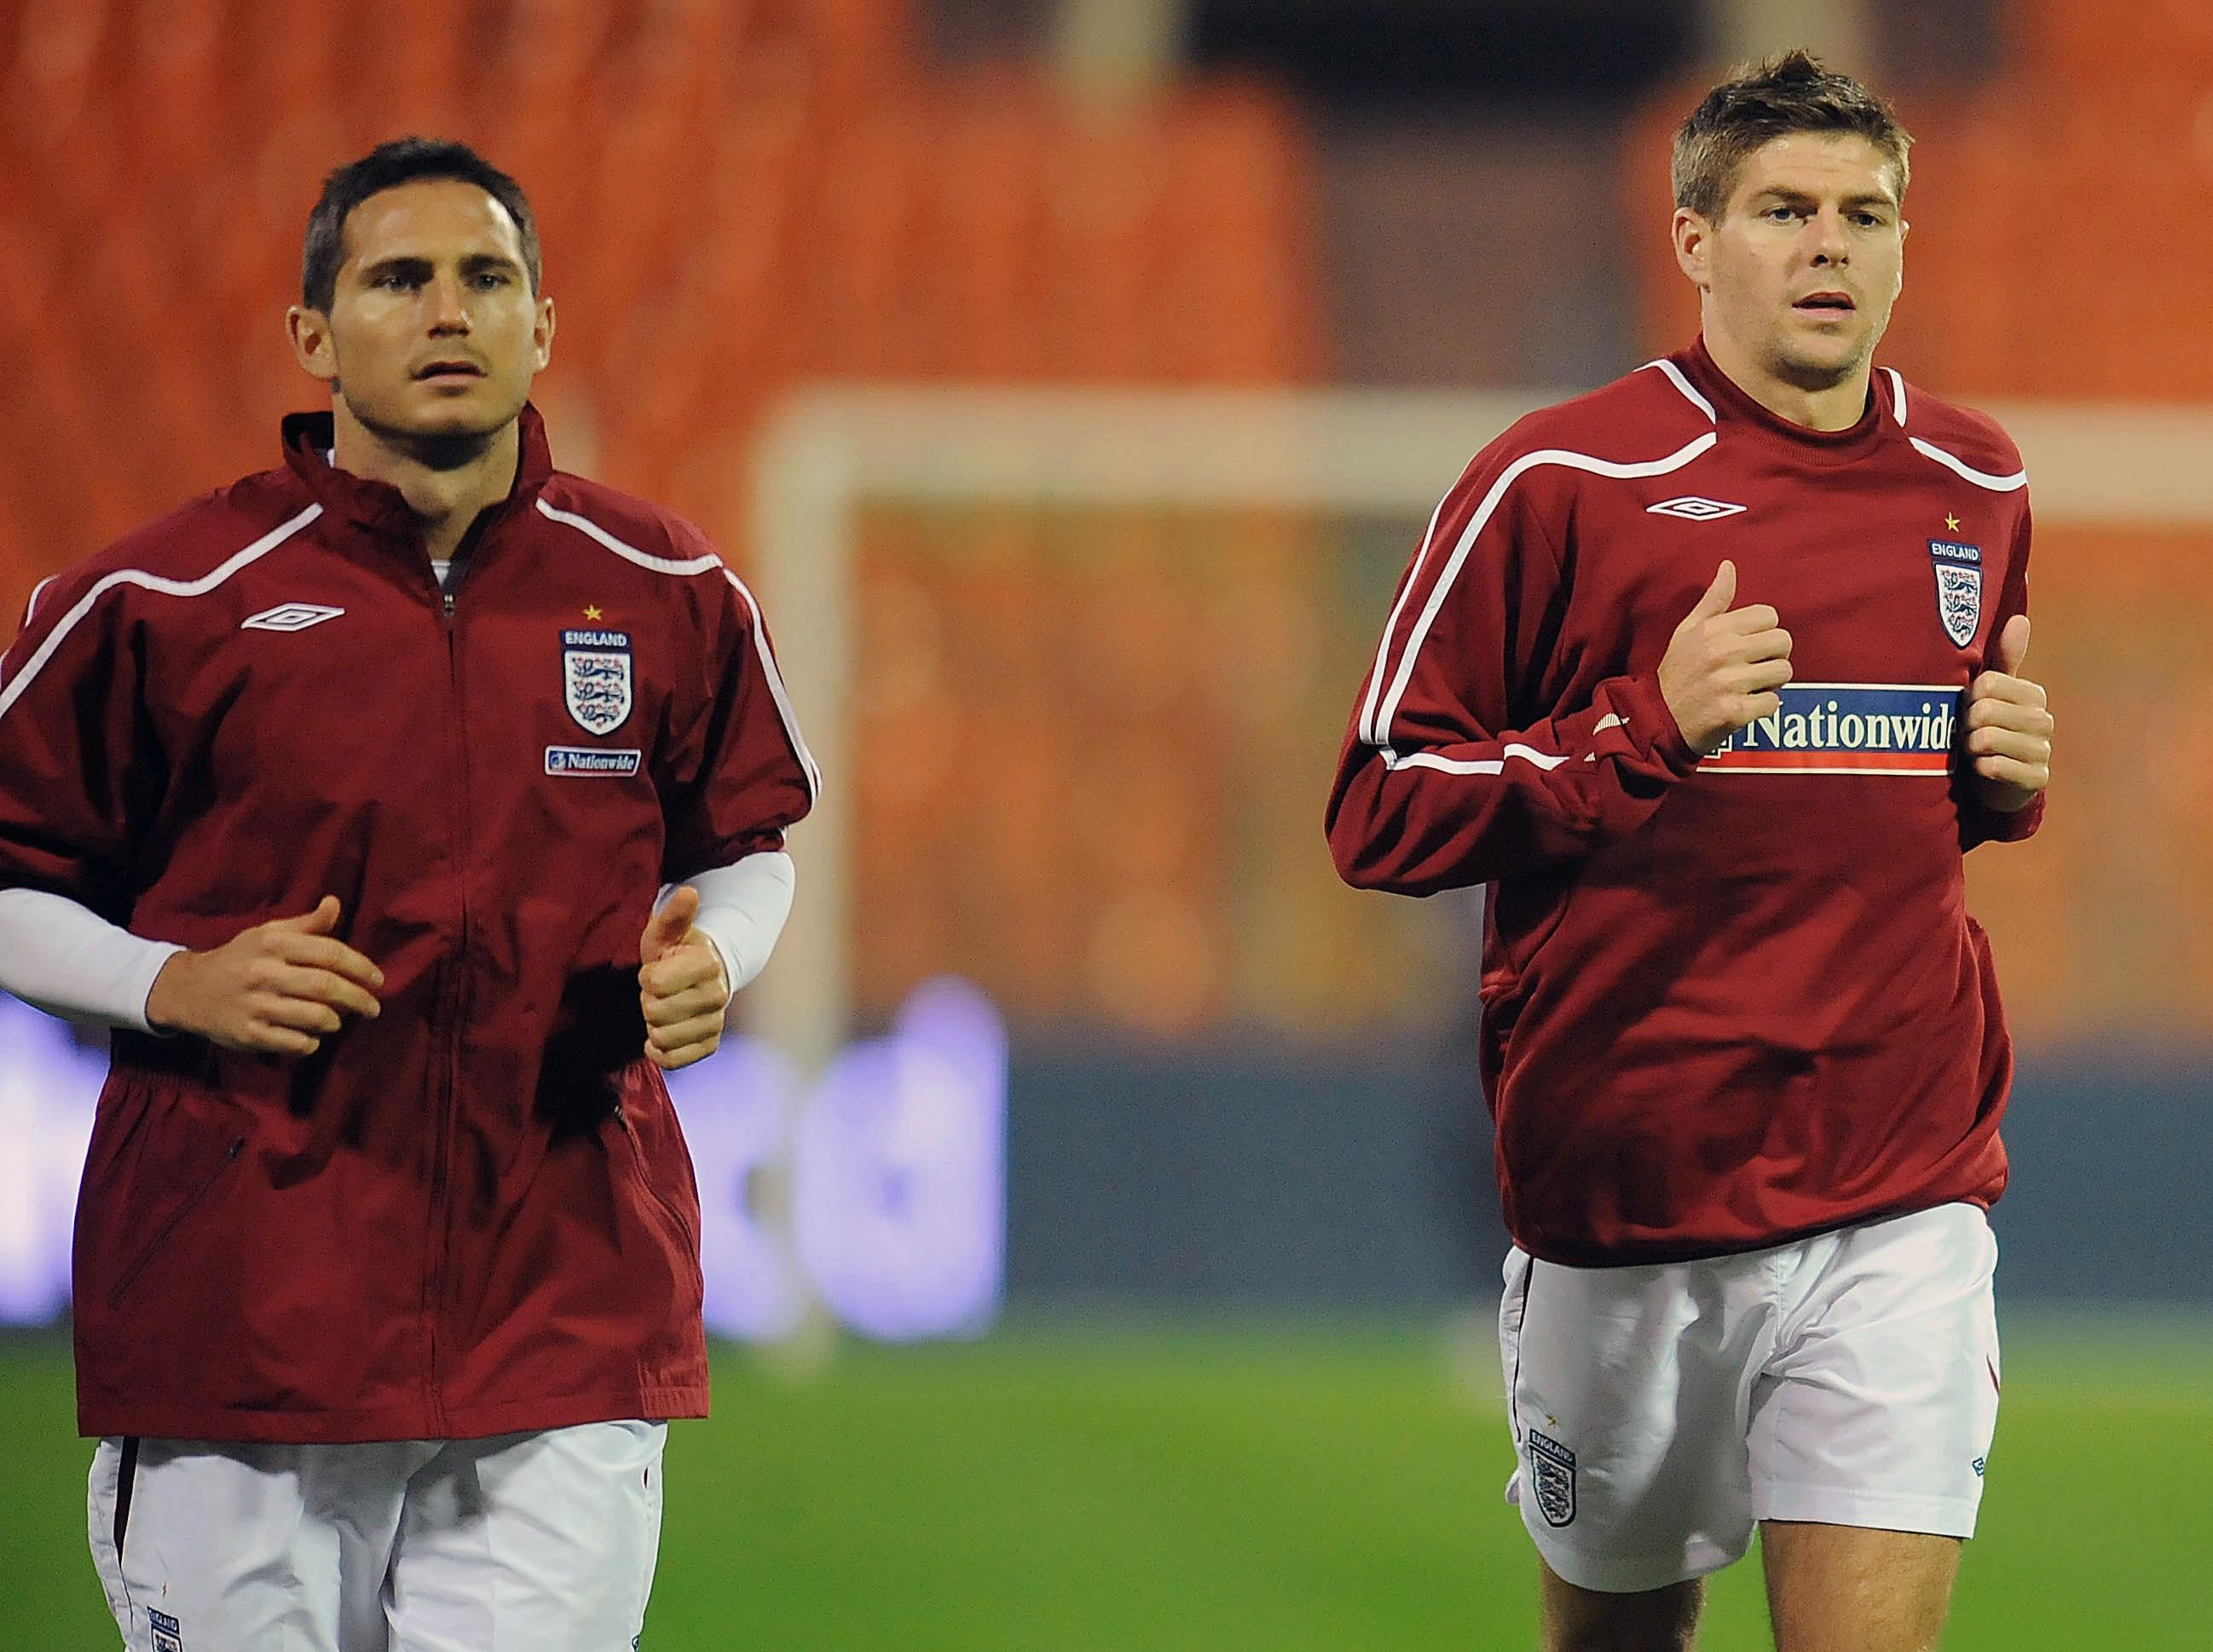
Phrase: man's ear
(541,334)
(1692,236)
(310,333)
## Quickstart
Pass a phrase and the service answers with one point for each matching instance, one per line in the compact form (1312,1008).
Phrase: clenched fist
(278,988)
(2008,728)
(1723,665)
(682,985)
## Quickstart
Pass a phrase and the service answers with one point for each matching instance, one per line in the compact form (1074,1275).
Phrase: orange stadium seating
(735,196)
(740,196)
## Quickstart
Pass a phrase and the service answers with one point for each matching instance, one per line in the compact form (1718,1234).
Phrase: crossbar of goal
(830,450)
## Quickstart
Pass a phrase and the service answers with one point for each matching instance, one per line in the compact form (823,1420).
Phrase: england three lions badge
(1959,587)
(595,679)
(1553,1478)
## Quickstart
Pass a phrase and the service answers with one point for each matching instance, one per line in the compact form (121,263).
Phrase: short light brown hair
(1790,93)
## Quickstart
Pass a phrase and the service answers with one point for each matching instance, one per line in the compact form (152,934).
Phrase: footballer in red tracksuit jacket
(474,1214)
(1732,1001)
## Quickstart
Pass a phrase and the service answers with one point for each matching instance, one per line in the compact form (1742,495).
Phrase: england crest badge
(595,679)
(1553,1478)
(1959,587)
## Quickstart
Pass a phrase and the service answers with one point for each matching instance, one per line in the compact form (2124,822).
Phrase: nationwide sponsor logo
(1898,728)
(291,616)
(1553,1478)
(591,761)
(1694,508)
(1959,587)
(595,679)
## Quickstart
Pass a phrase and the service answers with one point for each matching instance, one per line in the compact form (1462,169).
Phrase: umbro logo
(1692,509)
(291,616)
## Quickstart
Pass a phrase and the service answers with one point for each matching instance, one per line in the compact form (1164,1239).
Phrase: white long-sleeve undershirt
(742,911)
(68,960)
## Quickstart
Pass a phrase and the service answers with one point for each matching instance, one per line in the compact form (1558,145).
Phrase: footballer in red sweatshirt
(406,809)
(1711,677)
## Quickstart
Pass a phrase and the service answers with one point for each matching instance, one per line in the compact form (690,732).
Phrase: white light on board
(48,1085)
(896,1163)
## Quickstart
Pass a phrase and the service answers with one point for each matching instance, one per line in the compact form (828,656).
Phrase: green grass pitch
(1066,1487)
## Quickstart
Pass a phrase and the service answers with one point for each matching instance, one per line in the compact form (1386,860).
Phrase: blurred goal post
(829,450)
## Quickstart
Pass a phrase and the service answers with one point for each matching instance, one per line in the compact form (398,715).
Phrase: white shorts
(1660,1412)
(540,1540)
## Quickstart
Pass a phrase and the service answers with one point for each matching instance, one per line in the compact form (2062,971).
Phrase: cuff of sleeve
(742,911)
(1643,711)
(1990,825)
(147,969)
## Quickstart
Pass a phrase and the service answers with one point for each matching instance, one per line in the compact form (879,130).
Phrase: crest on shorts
(1959,587)
(595,679)
(168,1634)
(1553,1478)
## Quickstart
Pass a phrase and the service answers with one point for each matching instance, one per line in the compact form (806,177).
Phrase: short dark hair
(1792,93)
(401,160)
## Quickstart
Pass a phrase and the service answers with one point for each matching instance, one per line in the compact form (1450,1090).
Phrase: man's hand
(1724,664)
(2009,730)
(682,985)
(278,988)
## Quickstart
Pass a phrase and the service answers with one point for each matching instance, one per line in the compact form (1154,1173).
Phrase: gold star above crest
(1952,523)
(592,612)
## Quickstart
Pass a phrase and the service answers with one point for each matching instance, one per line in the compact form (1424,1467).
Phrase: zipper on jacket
(451,1031)
(153,1249)
(645,1175)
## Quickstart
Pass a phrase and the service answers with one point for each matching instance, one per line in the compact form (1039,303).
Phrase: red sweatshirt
(1728,1002)
(474,1214)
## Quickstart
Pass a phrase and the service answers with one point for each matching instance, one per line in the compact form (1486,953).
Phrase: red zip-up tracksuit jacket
(1730,1002)
(475,1214)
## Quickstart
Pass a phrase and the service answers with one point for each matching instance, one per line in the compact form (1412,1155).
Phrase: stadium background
(1221,1377)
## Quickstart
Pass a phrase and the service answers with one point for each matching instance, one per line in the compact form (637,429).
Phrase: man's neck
(446,497)
(1833,407)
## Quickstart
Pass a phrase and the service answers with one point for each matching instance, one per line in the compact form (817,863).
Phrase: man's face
(1801,270)
(433,333)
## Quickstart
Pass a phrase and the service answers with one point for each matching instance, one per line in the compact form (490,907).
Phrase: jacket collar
(378,508)
(1737,406)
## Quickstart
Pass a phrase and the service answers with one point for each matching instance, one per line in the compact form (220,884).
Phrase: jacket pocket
(195,1195)
(643,1174)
